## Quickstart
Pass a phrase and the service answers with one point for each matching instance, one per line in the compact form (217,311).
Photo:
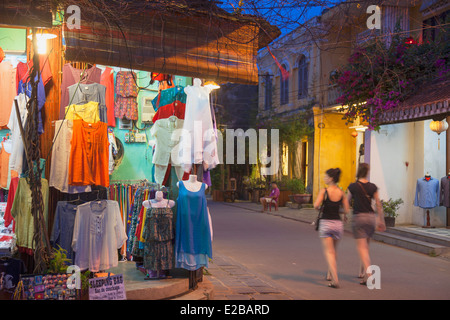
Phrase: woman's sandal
(333,285)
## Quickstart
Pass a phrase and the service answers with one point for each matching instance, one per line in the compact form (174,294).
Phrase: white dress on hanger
(199,144)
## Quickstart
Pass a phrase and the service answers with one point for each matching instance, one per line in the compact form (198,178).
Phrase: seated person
(272,197)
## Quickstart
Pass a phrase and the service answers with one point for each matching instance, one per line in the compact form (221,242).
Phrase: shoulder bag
(319,215)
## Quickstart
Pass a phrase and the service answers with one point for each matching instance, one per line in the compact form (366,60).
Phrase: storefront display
(95,220)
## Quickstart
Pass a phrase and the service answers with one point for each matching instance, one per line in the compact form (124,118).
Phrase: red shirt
(175,108)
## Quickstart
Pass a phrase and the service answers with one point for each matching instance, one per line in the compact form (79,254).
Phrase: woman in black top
(365,219)
(331,227)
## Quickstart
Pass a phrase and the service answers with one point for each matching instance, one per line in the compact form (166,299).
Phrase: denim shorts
(363,225)
(331,228)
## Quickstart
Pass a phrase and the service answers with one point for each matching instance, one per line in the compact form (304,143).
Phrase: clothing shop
(409,157)
(125,155)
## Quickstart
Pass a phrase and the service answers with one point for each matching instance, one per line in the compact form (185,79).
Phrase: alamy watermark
(374,280)
(374,20)
(209,145)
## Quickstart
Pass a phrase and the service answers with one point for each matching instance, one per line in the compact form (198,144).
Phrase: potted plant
(298,188)
(390,208)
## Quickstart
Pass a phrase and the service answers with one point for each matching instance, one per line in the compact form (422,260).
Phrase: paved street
(268,256)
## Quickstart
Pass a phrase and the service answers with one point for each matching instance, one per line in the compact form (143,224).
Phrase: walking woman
(331,227)
(365,219)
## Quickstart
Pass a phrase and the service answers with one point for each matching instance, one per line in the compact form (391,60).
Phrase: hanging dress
(158,235)
(193,246)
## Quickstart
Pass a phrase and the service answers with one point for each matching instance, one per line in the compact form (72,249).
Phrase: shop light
(212,85)
(42,38)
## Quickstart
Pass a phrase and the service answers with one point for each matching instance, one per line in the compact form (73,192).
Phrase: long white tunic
(199,139)
(98,234)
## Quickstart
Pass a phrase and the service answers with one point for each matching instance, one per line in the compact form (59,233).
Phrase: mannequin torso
(158,202)
(192,184)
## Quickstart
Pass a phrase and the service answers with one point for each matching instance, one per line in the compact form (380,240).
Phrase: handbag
(319,215)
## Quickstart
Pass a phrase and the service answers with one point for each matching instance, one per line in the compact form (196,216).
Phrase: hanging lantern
(354,134)
(439,127)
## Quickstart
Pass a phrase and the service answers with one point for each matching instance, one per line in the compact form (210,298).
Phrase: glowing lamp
(42,38)
(212,85)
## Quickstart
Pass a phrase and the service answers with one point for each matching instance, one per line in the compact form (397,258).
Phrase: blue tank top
(193,246)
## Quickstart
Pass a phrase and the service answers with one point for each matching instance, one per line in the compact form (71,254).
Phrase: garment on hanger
(200,144)
(168,97)
(158,235)
(25,87)
(9,202)
(63,225)
(23,69)
(4,166)
(88,112)
(17,153)
(193,245)
(167,135)
(107,79)
(427,193)
(59,169)
(98,234)
(445,192)
(21,212)
(84,93)
(126,93)
(89,156)
(72,76)
(7,90)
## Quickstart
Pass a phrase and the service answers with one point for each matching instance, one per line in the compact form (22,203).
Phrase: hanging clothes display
(199,144)
(193,241)
(9,202)
(166,131)
(126,96)
(98,234)
(168,97)
(88,112)
(89,154)
(107,79)
(5,154)
(21,212)
(59,173)
(7,90)
(71,76)
(81,94)
(23,69)
(167,134)
(17,152)
(63,225)
(25,87)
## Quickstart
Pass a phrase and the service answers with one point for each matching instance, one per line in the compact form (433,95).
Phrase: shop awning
(25,13)
(178,39)
(431,102)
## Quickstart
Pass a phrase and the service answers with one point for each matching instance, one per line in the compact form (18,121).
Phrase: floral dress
(126,105)
(158,235)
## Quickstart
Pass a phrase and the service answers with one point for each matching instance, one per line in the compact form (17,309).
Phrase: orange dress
(4,167)
(89,154)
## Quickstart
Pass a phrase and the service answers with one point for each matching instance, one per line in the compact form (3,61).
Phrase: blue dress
(193,245)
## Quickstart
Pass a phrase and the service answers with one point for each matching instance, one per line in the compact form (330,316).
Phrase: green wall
(13,40)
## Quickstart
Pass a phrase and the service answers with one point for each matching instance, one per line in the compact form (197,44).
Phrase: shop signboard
(111,287)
